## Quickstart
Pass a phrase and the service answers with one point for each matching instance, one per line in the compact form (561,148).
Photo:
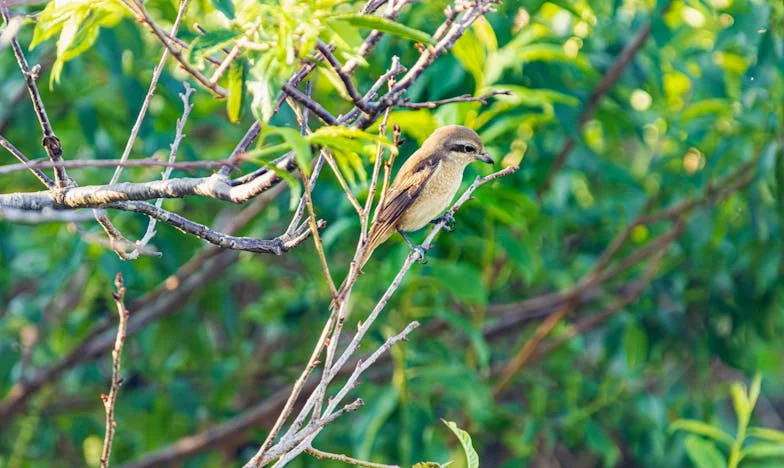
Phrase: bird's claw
(448,219)
(422,251)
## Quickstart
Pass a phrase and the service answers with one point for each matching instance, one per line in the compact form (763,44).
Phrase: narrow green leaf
(754,391)
(384,25)
(703,429)
(767,434)
(763,450)
(298,143)
(296,188)
(237,76)
(703,453)
(224,6)
(212,41)
(741,403)
(472,458)
(635,346)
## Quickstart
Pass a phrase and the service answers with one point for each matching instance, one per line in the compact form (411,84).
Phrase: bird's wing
(406,189)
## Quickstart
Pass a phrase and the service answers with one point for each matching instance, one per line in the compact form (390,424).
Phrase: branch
(34,164)
(320,454)
(26,163)
(50,141)
(308,102)
(110,400)
(356,98)
(440,102)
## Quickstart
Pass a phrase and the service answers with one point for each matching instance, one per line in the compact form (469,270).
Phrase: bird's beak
(484,156)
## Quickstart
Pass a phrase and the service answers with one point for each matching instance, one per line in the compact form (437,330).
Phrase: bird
(425,185)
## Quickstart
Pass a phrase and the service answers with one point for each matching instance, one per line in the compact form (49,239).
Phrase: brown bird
(426,184)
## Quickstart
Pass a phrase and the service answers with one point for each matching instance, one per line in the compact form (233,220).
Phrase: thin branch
(26,163)
(47,215)
(50,141)
(178,136)
(110,400)
(143,16)
(308,102)
(464,98)
(102,163)
(320,454)
(356,98)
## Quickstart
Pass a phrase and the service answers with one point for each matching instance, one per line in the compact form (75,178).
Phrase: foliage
(698,100)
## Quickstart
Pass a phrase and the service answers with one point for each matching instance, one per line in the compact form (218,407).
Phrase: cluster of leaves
(699,99)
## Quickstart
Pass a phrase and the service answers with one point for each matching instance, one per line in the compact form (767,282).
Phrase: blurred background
(627,277)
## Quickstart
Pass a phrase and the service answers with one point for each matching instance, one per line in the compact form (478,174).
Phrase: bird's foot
(448,219)
(422,251)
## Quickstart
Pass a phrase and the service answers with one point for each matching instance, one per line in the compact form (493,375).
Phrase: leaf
(703,453)
(224,6)
(211,42)
(754,391)
(237,76)
(469,51)
(635,345)
(485,34)
(384,25)
(703,429)
(296,188)
(298,143)
(767,434)
(763,450)
(472,458)
(741,403)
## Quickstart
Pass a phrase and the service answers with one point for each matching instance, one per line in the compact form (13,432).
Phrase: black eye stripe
(464,148)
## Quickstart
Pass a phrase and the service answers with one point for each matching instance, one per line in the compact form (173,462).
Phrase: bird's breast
(436,196)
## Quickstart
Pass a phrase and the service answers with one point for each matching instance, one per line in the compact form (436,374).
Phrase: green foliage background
(702,97)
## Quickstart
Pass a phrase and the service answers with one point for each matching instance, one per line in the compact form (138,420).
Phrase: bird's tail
(375,238)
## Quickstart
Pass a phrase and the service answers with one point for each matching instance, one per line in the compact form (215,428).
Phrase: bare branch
(50,141)
(26,163)
(320,454)
(100,163)
(356,98)
(440,102)
(308,102)
(110,399)
(47,215)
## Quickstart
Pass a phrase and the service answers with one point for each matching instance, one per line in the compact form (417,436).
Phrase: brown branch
(103,163)
(356,98)
(308,102)
(440,102)
(111,399)
(26,163)
(320,454)
(50,141)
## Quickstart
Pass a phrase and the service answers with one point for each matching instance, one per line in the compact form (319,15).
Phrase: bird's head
(459,144)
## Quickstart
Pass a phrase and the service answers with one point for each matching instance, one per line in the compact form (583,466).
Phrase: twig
(320,454)
(178,136)
(50,141)
(464,98)
(143,16)
(308,102)
(110,400)
(101,163)
(356,98)
(26,163)
(47,215)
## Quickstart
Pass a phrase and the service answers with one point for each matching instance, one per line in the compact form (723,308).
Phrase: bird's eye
(469,149)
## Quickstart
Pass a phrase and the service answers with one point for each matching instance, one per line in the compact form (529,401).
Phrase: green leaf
(703,453)
(754,391)
(635,345)
(384,25)
(469,51)
(472,458)
(237,76)
(703,429)
(296,188)
(224,6)
(298,143)
(763,450)
(741,403)
(767,434)
(211,42)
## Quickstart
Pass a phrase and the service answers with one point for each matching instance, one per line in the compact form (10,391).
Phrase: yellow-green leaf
(472,458)
(698,427)
(384,25)
(298,144)
(238,73)
(767,434)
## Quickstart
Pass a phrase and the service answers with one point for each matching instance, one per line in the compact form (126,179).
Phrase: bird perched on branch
(425,185)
